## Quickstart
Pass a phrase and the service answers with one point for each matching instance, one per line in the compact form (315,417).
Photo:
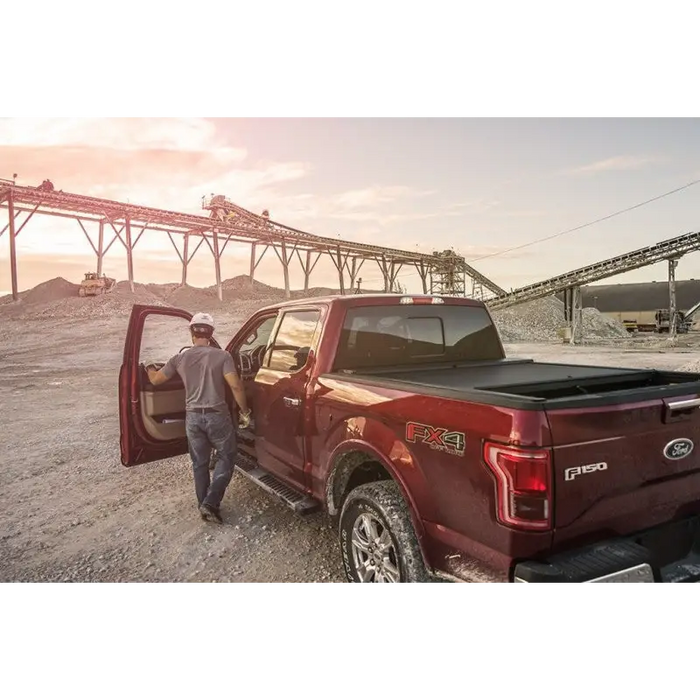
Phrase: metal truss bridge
(670,249)
(570,283)
(440,273)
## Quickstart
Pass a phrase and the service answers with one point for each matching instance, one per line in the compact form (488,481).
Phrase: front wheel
(377,538)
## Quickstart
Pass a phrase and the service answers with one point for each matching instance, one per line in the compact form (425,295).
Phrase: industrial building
(639,302)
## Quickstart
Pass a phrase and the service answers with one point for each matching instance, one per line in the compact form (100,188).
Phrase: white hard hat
(202,319)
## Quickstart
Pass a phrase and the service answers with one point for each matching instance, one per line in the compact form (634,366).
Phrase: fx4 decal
(436,438)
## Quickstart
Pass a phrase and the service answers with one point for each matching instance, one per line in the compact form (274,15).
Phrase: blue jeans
(207,431)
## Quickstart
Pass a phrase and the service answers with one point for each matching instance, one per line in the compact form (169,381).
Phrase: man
(205,371)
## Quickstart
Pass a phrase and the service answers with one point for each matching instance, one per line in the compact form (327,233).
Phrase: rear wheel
(377,538)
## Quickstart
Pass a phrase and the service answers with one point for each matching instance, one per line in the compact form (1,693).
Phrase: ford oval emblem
(678,449)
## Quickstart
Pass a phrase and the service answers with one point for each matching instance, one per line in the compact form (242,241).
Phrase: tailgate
(620,468)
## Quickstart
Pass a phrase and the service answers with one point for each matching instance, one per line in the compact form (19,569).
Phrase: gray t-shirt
(202,369)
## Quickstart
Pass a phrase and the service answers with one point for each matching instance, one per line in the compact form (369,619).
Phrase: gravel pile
(52,304)
(190,298)
(58,299)
(44,293)
(693,366)
(537,321)
(540,321)
(597,325)
(241,288)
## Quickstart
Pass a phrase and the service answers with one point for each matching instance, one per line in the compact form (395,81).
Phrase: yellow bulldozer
(94,285)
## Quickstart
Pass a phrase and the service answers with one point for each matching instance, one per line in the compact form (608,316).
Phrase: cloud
(613,164)
(172,163)
(368,205)
(166,163)
(373,196)
(481,204)
(136,134)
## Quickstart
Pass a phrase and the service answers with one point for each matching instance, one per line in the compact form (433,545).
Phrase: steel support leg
(285,270)
(129,254)
(353,274)
(185,259)
(341,276)
(100,247)
(423,276)
(576,316)
(384,267)
(307,271)
(13,247)
(217,265)
(672,321)
(308,266)
(253,263)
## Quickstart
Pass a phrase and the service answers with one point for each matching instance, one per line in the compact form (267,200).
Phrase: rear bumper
(668,553)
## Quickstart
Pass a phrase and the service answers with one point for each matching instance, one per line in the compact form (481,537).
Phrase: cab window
(294,340)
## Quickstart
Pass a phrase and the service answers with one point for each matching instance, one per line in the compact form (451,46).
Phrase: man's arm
(234,381)
(160,376)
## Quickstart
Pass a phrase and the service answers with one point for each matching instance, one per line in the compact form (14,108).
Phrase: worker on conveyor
(46,186)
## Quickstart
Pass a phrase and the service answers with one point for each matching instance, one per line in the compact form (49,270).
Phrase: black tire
(383,503)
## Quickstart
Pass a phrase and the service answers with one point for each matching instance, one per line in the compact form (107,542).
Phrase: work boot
(210,514)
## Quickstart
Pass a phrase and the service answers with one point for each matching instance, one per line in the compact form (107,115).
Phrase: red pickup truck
(436,456)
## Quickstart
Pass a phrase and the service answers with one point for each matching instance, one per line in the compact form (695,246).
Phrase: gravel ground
(69,510)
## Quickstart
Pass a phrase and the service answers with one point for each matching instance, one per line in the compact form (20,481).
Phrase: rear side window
(294,340)
(381,336)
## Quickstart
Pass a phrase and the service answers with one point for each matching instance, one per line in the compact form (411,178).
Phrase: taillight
(524,485)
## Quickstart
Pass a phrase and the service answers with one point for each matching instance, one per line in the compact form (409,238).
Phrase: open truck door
(152,418)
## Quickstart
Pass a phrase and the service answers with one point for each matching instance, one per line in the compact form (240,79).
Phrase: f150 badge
(572,472)
(436,438)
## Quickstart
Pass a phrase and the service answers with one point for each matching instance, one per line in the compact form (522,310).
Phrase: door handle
(291,403)
(683,405)
(676,411)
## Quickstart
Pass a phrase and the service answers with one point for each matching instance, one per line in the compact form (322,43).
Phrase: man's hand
(244,419)
(155,376)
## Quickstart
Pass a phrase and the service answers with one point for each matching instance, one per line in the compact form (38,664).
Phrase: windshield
(399,336)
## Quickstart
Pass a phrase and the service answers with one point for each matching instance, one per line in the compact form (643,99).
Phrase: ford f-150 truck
(435,456)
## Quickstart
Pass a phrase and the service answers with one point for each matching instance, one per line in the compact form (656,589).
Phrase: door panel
(163,408)
(280,403)
(280,395)
(151,419)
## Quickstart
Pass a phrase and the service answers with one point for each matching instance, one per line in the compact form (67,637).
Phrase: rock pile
(241,288)
(191,298)
(118,302)
(540,321)
(537,321)
(44,293)
(693,366)
(59,299)
(597,325)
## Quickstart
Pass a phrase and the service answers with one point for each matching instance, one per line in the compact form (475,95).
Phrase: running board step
(299,502)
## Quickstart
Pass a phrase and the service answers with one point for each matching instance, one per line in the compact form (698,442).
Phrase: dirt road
(70,512)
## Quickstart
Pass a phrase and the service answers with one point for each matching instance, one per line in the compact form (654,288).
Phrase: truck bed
(529,384)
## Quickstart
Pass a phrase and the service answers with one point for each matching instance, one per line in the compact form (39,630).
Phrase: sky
(481,186)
